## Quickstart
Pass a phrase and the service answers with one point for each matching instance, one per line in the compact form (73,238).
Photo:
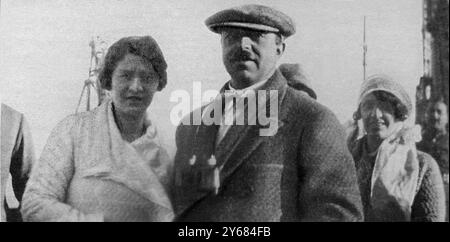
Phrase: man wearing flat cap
(301,172)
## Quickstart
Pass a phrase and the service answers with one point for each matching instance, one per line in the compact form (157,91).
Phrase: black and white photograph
(224,111)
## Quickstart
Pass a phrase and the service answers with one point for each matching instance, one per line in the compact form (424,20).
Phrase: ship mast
(364,50)
(97,54)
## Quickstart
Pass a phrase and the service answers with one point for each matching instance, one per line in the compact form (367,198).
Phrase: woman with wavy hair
(108,164)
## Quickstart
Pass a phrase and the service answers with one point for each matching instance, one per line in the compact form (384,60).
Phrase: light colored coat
(87,172)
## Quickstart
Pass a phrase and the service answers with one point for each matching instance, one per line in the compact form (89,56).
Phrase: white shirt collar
(252,87)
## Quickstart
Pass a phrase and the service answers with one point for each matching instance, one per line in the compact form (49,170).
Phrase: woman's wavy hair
(145,47)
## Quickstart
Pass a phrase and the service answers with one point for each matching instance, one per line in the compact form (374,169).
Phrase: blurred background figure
(397,182)
(297,78)
(435,139)
(17,156)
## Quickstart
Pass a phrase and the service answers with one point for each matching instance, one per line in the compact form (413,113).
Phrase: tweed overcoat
(302,173)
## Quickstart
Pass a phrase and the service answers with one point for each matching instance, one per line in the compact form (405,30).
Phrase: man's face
(438,116)
(249,55)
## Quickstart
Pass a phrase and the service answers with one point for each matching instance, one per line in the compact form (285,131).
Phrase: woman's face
(134,82)
(378,117)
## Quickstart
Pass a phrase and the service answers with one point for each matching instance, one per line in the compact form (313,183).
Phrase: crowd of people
(109,164)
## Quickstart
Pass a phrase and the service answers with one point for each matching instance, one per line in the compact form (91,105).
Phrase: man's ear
(280,49)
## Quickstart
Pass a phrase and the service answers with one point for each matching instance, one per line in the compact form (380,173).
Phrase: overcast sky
(44,51)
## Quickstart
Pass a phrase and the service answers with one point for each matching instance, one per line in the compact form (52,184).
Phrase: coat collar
(245,138)
(118,161)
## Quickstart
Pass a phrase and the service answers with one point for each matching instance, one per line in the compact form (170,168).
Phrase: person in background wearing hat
(302,172)
(108,164)
(296,78)
(435,139)
(397,182)
(17,158)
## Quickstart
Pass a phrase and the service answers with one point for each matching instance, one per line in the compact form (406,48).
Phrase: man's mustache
(243,56)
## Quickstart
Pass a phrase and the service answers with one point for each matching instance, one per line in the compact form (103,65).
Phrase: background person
(297,78)
(435,140)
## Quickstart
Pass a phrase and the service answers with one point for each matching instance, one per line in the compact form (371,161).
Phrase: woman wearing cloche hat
(397,182)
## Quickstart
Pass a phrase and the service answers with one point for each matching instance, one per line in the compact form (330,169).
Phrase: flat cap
(252,16)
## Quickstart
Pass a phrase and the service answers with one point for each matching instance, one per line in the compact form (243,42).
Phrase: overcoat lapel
(187,193)
(237,145)
(241,140)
